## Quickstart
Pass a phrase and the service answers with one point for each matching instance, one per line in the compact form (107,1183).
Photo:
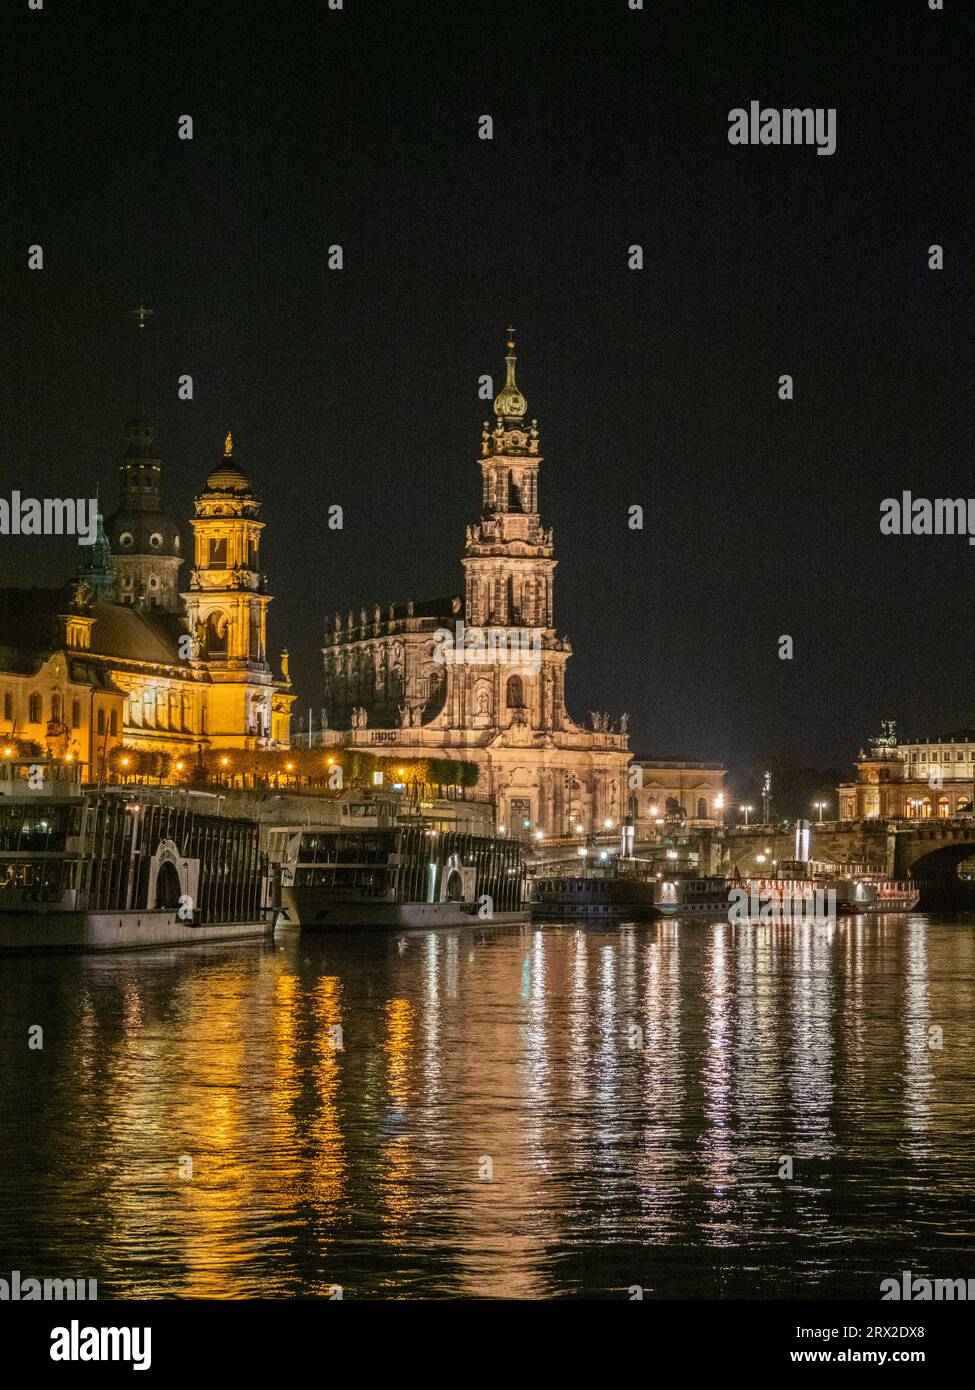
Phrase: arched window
(55,709)
(702,808)
(516,693)
(944,808)
(8,705)
(216,636)
(100,725)
(433,685)
(34,709)
(113,722)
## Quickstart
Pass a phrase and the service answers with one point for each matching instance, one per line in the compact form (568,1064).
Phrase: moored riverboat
(596,897)
(380,869)
(798,890)
(125,869)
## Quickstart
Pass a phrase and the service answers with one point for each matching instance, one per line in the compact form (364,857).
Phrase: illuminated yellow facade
(114,657)
(226,613)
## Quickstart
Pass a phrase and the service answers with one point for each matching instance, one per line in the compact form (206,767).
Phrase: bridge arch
(934,864)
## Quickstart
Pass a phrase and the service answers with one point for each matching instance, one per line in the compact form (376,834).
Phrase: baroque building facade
(121,655)
(668,789)
(481,677)
(925,779)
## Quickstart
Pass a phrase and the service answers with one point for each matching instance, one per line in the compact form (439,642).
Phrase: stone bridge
(927,850)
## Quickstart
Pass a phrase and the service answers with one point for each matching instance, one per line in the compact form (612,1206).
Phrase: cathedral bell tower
(226,606)
(509,565)
(144,539)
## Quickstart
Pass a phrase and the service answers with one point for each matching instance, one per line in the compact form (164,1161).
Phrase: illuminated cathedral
(481,677)
(124,654)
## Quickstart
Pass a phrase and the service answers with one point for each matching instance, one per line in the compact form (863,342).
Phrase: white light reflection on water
(612,1164)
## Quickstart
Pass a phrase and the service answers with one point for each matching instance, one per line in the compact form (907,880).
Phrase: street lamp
(746,810)
(820,807)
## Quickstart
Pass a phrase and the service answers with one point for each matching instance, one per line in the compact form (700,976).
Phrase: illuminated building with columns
(922,780)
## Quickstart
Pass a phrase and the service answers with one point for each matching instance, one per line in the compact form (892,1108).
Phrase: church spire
(509,403)
(141,316)
(96,567)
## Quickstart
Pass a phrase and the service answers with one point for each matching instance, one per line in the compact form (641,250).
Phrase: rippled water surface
(530,1112)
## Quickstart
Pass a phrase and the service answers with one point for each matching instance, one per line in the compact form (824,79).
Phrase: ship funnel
(802,841)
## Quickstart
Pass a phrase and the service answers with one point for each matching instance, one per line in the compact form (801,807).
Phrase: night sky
(658,388)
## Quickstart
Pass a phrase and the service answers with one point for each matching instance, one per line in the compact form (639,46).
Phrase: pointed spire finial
(228,445)
(509,402)
(141,315)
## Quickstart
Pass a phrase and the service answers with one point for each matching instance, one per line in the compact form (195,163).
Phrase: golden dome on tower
(509,402)
(227,477)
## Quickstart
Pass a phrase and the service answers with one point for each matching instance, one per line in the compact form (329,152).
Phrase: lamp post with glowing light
(746,810)
(820,806)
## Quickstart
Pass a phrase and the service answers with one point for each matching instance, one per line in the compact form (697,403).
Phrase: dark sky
(658,387)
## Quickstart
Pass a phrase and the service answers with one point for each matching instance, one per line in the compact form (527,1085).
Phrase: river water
(525,1112)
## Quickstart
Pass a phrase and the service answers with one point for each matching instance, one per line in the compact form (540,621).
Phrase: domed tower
(226,609)
(144,540)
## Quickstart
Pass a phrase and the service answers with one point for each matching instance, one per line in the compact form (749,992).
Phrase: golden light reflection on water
(517,1113)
